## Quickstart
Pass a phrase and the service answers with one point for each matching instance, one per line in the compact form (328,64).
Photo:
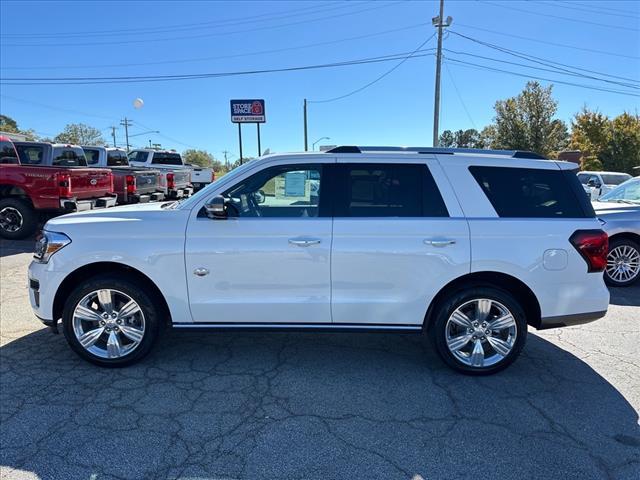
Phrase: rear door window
(31,154)
(533,193)
(387,190)
(7,152)
(69,157)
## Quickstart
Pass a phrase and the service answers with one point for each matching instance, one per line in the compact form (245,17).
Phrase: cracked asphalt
(316,406)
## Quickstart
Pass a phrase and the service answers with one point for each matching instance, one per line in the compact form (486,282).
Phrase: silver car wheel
(108,323)
(11,219)
(623,263)
(481,332)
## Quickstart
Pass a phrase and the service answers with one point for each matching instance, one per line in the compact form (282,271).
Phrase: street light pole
(306,145)
(313,145)
(436,101)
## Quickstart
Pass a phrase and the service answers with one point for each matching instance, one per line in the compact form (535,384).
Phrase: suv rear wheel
(480,330)
(110,321)
(623,263)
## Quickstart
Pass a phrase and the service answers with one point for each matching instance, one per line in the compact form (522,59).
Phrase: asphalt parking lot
(316,406)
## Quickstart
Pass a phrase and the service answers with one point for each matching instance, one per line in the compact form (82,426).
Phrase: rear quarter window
(533,193)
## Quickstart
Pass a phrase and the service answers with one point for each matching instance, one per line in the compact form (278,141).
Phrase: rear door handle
(439,242)
(304,242)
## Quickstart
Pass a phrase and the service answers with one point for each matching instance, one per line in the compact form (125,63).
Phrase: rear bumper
(180,193)
(570,320)
(75,205)
(145,197)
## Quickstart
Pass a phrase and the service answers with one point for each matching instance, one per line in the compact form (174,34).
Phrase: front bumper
(75,205)
(43,283)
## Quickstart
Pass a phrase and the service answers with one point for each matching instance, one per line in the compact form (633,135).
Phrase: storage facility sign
(248,111)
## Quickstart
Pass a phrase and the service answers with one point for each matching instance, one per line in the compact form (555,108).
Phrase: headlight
(49,243)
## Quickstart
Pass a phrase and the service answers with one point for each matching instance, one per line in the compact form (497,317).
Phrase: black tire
(153,318)
(17,210)
(616,243)
(438,328)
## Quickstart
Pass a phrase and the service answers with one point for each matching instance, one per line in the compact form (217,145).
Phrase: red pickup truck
(45,179)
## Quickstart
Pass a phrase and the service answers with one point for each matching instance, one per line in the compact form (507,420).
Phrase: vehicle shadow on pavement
(13,247)
(627,296)
(284,405)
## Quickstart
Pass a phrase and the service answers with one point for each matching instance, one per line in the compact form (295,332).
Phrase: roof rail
(436,150)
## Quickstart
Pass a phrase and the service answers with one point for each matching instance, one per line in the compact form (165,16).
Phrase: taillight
(170,181)
(593,245)
(64,184)
(131,184)
(111,187)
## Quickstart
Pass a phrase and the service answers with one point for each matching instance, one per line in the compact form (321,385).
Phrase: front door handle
(304,242)
(201,272)
(439,242)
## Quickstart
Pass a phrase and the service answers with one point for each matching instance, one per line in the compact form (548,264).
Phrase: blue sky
(98,39)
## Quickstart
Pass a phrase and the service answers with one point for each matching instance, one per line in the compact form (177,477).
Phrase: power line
(51,107)
(220,57)
(378,78)
(573,8)
(208,35)
(542,61)
(464,106)
(544,42)
(536,77)
(608,7)
(568,19)
(179,27)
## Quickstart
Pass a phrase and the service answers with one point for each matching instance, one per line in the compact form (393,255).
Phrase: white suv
(469,247)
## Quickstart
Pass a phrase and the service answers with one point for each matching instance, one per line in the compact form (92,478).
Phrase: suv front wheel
(110,321)
(479,331)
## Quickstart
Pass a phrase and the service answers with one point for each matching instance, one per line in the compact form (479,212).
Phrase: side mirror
(260,196)
(216,208)
(593,183)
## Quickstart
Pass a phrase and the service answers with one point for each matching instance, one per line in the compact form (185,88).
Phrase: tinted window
(164,158)
(584,178)
(387,190)
(116,158)
(30,154)
(7,152)
(533,193)
(69,157)
(283,191)
(92,155)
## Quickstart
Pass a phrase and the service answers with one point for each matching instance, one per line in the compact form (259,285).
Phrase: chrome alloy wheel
(481,332)
(11,219)
(623,263)
(108,323)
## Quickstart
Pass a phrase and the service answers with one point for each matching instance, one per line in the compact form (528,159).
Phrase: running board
(344,327)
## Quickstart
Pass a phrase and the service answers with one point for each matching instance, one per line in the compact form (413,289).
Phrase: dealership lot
(276,405)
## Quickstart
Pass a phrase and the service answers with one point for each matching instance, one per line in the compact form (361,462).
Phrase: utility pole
(126,123)
(226,162)
(306,144)
(436,100)
(113,134)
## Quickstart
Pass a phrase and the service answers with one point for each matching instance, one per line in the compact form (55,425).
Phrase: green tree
(80,134)
(460,139)
(447,139)
(526,122)
(611,144)
(202,158)
(8,124)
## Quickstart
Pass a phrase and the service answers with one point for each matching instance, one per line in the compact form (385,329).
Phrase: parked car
(132,185)
(599,183)
(178,177)
(385,244)
(48,179)
(619,213)
(200,176)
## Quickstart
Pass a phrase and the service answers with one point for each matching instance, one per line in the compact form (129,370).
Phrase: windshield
(614,178)
(629,191)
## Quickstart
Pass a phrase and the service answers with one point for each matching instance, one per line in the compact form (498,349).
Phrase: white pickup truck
(197,177)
